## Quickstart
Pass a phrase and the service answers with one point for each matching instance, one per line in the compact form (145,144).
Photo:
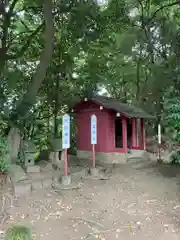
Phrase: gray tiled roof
(118,106)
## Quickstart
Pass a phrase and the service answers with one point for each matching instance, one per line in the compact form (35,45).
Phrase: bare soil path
(137,204)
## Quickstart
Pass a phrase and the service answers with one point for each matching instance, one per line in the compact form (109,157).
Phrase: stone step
(138,154)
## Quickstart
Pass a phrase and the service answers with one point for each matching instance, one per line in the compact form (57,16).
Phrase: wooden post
(65,162)
(66,140)
(93,155)
(93,137)
(143,135)
(124,134)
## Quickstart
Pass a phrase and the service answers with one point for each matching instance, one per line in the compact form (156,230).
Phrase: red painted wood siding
(83,124)
(105,127)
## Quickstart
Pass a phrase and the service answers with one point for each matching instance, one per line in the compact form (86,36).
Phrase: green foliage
(18,233)
(172,120)
(121,47)
(4,156)
(175,157)
(172,114)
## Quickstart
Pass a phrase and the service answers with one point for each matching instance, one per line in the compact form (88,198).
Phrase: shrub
(4,156)
(18,233)
(175,157)
(172,120)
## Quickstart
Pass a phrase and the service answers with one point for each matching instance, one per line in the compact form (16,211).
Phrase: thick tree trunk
(138,80)
(29,98)
(48,49)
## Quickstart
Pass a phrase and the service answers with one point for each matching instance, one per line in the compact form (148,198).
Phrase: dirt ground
(138,204)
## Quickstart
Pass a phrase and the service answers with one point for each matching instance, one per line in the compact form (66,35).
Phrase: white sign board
(93,129)
(66,131)
(159,133)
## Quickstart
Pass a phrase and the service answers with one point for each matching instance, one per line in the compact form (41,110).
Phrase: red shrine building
(120,129)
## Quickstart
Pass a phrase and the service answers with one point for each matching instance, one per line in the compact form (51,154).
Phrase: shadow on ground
(166,170)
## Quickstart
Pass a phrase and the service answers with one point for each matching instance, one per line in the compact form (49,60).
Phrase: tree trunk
(48,49)
(28,99)
(56,107)
(137,80)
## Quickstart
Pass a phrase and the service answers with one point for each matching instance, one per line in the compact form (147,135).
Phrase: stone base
(94,172)
(137,153)
(114,157)
(66,180)
(107,158)
(33,169)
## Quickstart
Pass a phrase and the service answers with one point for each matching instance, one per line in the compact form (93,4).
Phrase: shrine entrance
(129,133)
(118,133)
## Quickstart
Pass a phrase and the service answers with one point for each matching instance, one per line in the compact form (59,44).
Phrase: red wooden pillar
(134,133)
(124,134)
(143,135)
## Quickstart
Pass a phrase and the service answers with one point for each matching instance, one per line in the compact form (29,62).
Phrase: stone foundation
(108,158)
(114,157)
(136,154)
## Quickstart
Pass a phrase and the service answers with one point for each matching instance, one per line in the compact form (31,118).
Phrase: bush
(175,157)
(172,120)
(18,233)
(4,156)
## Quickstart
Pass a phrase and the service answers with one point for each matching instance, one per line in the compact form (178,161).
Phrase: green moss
(18,233)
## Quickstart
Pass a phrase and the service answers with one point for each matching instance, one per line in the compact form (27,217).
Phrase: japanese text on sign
(93,129)
(66,131)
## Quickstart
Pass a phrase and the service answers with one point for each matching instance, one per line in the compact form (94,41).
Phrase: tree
(28,100)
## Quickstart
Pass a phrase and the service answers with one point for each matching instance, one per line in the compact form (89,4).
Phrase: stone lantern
(29,151)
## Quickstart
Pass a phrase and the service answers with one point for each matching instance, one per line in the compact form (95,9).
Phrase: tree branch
(26,45)
(12,6)
(161,8)
(6,22)
(24,24)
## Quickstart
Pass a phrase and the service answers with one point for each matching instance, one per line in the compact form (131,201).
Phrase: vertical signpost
(66,140)
(159,142)
(93,137)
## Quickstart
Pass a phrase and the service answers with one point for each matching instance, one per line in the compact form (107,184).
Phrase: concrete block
(94,172)
(66,180)
(33,169)
(35,185)
(22,188)
(47,183)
